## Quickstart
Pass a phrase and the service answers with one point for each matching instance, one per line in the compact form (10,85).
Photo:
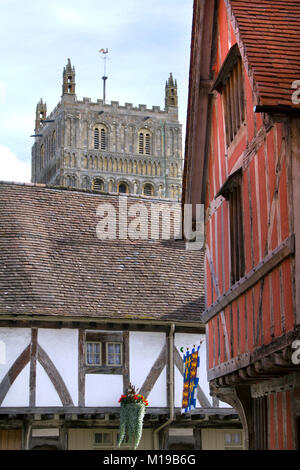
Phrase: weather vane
(104,78)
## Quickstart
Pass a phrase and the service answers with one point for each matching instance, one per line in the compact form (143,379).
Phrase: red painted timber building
(242,161)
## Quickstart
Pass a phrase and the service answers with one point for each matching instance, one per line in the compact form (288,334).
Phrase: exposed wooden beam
(277,256)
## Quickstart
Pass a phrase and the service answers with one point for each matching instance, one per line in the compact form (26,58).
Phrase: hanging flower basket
(133,407)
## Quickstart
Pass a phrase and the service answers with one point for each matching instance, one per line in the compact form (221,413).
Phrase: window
(123,188)
(230,83)
(96,138)
(103,439)
(103,139)
(93,353)
(113,354)
(233,440)
(144,142)
(148,189)
(98,184)
(232,191)
(104,352)
(100,137)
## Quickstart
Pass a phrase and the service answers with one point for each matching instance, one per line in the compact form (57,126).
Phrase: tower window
(123,188)
(144,142)
(148,189)
(100,138)
(103,139)
(96,138)
(69,79)
(98,184)
(93,353)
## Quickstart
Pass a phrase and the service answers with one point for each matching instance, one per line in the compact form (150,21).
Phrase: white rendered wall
(62,348)
(18,394)
(103,389)
(14,341)
(145,348)
(46,394)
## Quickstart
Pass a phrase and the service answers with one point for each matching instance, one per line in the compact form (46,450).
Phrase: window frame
(104,338)
(107,353)
(232,191)
(100,354)
(152,189)
(230,83)
(144,142)
(104,444)
(100,136)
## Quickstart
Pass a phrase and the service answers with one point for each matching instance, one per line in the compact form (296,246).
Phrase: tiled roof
(270,34)
(52,263)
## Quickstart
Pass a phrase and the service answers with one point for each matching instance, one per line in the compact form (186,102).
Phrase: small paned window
(103,438)
(113,354)
(93,353)
(233,440)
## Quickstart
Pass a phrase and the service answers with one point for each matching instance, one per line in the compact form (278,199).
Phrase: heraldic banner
(191,361)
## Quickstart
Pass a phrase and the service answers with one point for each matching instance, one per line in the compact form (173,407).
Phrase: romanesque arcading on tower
(41,113)
(68,79)
(171,97)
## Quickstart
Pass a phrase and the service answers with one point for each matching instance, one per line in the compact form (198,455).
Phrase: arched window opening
(96,138)
(103,139)
(147,144)
(98,184)
(148,189)
(123,188)
(144,142)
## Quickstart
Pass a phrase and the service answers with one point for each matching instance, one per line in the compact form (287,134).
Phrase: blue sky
(146,41)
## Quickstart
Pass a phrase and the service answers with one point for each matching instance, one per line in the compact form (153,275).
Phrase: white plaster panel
(18,393)
(189,340)
(62,348)
(158,395)
(103,389)
(46,394)
(178,387)
(13,341)
(145,348)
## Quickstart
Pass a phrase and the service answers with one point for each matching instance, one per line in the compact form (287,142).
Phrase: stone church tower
(108,147)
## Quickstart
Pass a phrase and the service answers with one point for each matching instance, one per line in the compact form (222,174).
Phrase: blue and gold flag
(191,361)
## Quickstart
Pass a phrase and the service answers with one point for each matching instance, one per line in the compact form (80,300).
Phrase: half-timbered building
(242,163)
(82,316)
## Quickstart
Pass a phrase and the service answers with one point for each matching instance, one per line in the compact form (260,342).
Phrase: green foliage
(133,407)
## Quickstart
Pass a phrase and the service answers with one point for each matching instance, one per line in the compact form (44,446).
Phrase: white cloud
(11,168)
